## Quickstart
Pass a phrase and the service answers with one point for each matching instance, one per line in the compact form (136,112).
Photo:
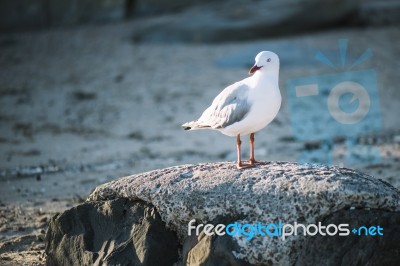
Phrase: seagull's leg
(239,163)
(252,159)
(238,150)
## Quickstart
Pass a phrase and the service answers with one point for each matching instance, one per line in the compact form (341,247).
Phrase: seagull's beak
(254,69)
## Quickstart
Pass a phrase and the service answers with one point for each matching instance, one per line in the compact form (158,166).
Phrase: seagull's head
(266,61)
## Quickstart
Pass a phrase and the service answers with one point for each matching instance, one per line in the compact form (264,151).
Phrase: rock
(113,232)
(218,192)
(237,20)
(122,222)
(211,250)
(355,250)
(378,13)
(335,250)
(27,15)
(22,14)
(154,7)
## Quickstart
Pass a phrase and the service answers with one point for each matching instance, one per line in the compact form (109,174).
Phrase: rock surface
(378,13)
(120,231)
(353,249)
(318,250)
(238,20)
(28,15)
(269,192)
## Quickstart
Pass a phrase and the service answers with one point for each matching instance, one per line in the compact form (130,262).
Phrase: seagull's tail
(193,125)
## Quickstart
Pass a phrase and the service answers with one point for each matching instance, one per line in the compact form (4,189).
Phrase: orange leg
(239,151)
(252,159)
(239,163)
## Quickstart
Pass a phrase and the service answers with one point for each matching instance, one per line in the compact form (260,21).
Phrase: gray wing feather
(229,107)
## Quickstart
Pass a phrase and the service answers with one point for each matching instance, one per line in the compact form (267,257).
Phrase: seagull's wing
(229,107)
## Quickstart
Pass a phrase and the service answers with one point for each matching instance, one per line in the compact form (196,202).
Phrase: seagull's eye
(269,60)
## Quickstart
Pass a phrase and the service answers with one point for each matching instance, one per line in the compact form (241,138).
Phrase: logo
(343,103)
(281,230)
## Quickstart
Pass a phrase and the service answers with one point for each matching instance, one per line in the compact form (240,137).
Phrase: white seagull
(246,106)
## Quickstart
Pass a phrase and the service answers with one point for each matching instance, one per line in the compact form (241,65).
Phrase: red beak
(254,69)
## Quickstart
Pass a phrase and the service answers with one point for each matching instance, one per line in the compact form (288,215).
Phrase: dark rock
(213,250)
(27,15)
(355,249)
(155,7)
(378,13)
(237,20)
(119,231)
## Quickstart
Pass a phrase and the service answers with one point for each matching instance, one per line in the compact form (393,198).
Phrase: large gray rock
(216,192)
(238,20)
(114,232)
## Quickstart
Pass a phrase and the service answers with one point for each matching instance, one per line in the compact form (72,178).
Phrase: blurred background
(93,90)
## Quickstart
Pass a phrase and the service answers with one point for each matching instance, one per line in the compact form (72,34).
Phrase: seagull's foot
(241,165)
(253,162)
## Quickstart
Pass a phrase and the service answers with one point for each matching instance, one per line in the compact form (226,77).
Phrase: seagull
(246,106)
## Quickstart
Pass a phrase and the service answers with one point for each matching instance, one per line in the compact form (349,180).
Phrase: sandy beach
(83,106)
